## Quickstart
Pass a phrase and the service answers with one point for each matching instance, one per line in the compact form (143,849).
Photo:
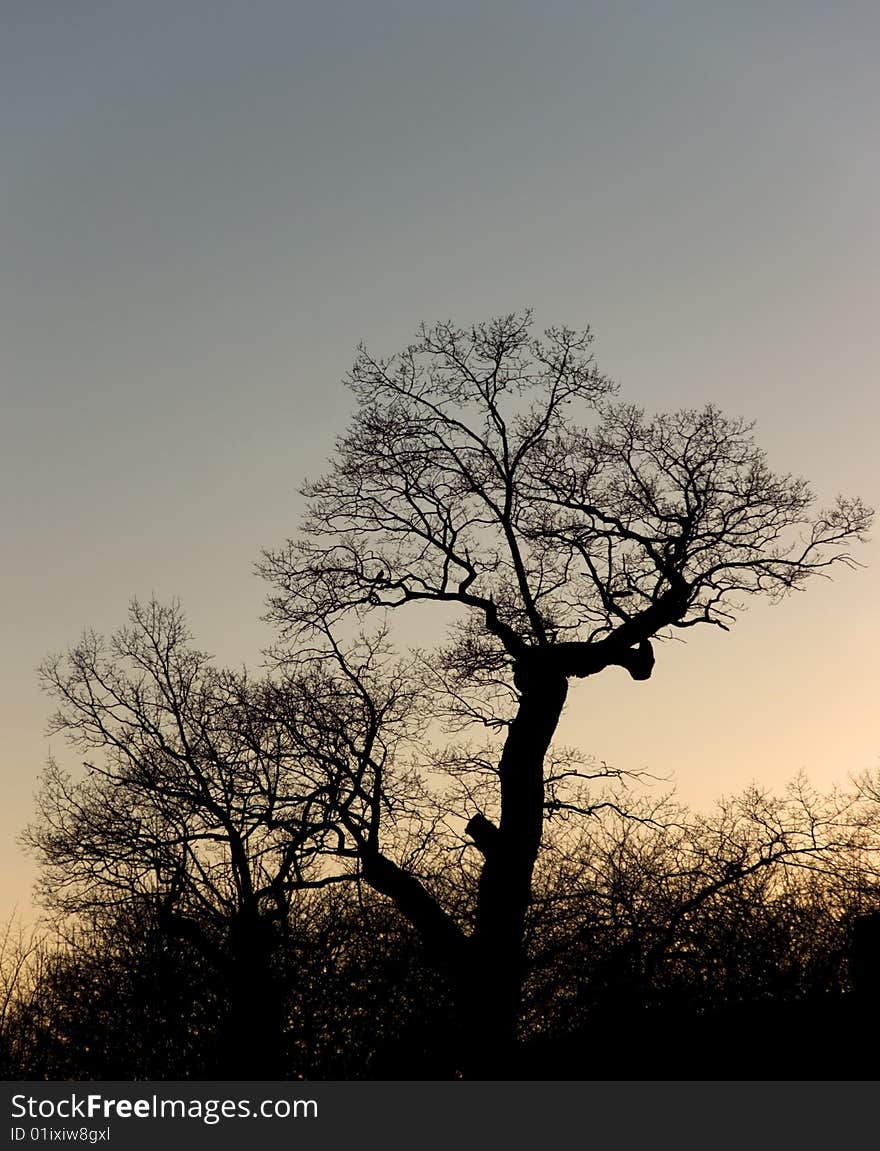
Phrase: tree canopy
(498,472)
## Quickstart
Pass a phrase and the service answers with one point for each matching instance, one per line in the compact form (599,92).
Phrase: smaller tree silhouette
(200,811)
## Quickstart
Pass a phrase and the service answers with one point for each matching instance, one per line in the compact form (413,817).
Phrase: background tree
(121,998)
(491,472)
(23,967)
(716,945)
(680,904)
(197,814)
(115,995)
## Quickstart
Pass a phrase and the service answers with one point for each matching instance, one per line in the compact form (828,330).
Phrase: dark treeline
(374,859)
(660,945)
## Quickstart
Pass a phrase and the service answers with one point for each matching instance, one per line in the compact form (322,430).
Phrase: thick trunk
(487,969)
(252,1034)
(492,981)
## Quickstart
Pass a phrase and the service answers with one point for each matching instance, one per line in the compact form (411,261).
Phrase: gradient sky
(205,205)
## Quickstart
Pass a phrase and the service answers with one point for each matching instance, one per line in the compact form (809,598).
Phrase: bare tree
(202,807)
(23,968)
(495,474)
(681,900)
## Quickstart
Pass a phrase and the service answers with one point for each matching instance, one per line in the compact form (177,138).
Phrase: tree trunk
(493,977)
(487,969)
(251,1040)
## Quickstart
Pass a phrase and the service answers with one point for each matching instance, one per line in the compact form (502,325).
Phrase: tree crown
(498,472)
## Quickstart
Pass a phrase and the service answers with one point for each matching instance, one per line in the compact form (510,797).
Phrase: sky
(204,206)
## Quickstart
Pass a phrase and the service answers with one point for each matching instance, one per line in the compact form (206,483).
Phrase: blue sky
(205,206)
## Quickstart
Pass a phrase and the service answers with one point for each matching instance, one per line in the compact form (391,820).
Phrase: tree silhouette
(495,474)
(748,899)
(198,813)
